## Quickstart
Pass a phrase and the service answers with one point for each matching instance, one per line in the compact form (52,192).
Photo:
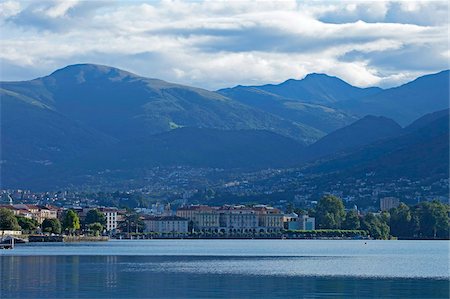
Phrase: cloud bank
(215,44)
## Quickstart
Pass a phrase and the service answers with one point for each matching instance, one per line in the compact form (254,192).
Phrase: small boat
(7,243)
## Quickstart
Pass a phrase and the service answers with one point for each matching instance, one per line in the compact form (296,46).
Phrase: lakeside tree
(7,220)
(51,226)
(27,225)
(351,220)
(433,220)
(330,212)
(95,216)
(401,222)
(71,221)
(376,226)
(132,224)
(96,228)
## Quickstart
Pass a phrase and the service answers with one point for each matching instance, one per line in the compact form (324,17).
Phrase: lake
(227,269)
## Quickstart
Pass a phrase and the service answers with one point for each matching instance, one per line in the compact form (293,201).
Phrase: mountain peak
(86,71)
(319,76)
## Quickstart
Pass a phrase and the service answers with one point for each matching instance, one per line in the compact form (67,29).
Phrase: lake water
(227,269)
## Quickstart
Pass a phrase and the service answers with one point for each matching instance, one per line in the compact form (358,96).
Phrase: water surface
(227,269)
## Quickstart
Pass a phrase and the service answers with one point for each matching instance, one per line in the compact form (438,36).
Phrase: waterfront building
(238,219)
(293,221)
(110,213)
(202,217)
(111,218)
(233,219)
(166,225)
(269,218)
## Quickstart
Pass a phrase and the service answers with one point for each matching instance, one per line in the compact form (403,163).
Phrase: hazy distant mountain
(362,132)
(123,105)
(419,153)
(317,89)
(407,102)
(87,118)
(318,116)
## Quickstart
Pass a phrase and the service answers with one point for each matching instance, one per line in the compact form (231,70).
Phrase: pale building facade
(111,218)
(166,225)
(233,219)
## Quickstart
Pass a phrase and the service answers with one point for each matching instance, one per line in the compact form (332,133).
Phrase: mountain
(340,103)
(426,119)
(308,101)
(84,107)
(318,89)
(407,102)
(34,135)
(419,153)
(123,105)
(317,116)
(362,132)
(183,147)
(201,147)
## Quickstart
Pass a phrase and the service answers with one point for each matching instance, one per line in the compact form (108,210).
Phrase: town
(23,213)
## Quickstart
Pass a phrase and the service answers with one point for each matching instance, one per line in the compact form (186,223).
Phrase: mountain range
(403,104)
(420,150)
(88,117)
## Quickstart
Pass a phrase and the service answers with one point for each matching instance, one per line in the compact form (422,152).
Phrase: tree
(7,220)
(376,227)
(132,223)
(433,219)
(51,226)
(71,221)
(351,220)
(96,228)
(27,224)
(401,222)
(95,216)
(330,212)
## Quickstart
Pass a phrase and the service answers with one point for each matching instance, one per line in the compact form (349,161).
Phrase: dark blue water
(227,269)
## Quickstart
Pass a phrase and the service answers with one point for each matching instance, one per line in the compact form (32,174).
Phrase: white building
(111,218)
(166,225)
(233,219)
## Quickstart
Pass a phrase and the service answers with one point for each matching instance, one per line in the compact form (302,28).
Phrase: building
(38,213)
(111,218)
(238,219)
(387,203)
(202,217)
(166,225)
(269,218)
(294,222)
(233,219)
(308,223)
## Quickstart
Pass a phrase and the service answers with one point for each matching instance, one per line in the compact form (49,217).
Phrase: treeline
(426,220)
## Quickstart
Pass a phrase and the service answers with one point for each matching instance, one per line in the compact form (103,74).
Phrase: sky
(217,44)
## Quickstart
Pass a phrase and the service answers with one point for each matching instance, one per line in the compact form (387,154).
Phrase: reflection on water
(175,277)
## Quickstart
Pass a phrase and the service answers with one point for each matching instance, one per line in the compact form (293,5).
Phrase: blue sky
(215,44)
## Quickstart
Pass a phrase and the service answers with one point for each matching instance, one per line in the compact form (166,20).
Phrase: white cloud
(216,44)
(9,8)
(60,8)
